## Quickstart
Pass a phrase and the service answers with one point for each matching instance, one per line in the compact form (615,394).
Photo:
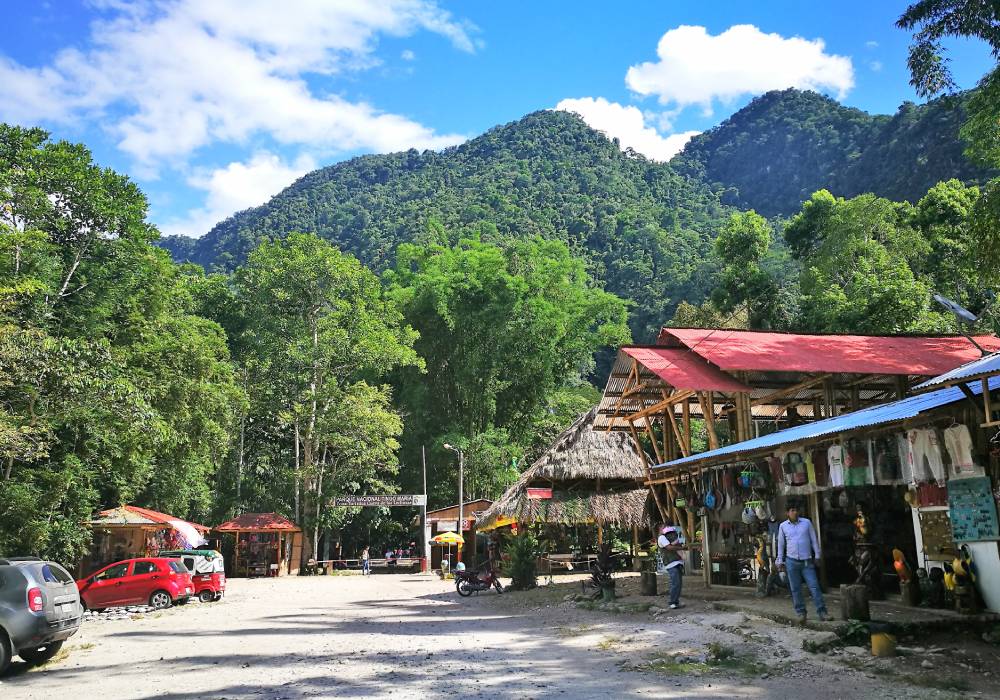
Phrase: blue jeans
(365,566)
(676,575)
(799,569)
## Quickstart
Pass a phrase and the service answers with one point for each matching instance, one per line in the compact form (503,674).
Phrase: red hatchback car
(154,581)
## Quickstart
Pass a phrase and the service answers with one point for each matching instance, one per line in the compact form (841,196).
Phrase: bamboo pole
(645,466)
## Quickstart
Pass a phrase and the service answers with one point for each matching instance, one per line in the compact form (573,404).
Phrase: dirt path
(411,636)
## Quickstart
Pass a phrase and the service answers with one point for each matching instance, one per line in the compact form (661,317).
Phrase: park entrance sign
(392,500)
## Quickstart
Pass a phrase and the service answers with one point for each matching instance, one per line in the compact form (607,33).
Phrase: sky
(214,106)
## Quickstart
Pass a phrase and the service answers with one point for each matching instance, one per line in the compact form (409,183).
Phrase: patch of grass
(944,682)
(719,657)
(577,631)
(86,646)
(61,655)
(609,643)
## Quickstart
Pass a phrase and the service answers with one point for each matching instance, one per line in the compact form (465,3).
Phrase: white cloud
(628,125)
(407,55)
(871,44)
(696,68)
(876,66)
(235,187)
(168,77)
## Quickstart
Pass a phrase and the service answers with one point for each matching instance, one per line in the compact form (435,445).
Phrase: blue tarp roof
(984,365)
(909,407)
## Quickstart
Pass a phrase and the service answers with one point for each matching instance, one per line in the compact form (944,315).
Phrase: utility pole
(461,469)
(423,520)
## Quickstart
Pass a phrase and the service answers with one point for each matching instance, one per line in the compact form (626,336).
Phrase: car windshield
(53,573)
(178,567)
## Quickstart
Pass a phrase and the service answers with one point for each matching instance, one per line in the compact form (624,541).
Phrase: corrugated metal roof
(683,369)
(990,364)
(909,407)
(732,350)
(259,521)
(135,515)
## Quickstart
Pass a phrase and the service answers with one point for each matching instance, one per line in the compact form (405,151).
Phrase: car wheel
(206,596)
(41,654)
(160,600)
(4,653)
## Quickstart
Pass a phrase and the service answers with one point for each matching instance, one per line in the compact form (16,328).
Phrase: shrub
(522,568)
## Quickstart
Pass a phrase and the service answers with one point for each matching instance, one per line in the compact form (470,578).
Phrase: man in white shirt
(798,550)
(671,543)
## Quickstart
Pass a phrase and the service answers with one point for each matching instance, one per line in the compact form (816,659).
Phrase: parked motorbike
(469,582)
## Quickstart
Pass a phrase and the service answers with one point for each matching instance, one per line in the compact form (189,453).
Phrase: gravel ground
(412,636)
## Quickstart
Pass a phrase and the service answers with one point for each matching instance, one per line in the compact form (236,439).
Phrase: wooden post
(600,530)
(706,552)
(814,515)
(661,458)
(635,540)
(708,412)
(645,466)
(686,421)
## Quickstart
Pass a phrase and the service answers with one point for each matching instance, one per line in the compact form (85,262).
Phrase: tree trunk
(297,519)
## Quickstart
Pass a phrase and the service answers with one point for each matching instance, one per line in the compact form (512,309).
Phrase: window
(53,573)
(144,567)
(116,571)
(189,563)
(178,567)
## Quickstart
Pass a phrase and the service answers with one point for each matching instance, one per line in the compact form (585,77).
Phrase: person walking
(366,566)
(798,550)
(671,544)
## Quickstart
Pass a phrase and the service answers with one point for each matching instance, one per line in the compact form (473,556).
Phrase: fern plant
(522,568)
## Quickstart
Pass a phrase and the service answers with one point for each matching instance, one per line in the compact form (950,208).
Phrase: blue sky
(215,105)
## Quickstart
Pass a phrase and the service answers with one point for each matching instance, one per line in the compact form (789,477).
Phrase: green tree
(742,244)
(501,329)
(111,390)
(317,328)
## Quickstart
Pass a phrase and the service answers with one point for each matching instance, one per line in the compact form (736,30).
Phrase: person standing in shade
(798,550)
(366,567)
(671,544)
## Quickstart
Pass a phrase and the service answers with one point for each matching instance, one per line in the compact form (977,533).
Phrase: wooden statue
(865,558)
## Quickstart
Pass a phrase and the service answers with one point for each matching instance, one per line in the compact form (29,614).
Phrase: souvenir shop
(905,489)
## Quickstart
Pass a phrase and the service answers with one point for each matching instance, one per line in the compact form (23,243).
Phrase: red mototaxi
(208,571)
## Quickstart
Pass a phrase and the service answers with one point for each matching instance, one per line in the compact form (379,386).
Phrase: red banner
(539,494)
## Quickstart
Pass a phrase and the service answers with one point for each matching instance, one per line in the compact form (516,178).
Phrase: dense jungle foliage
(775,152)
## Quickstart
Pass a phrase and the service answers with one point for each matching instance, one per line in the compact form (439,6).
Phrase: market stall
(264,544)
(132,531)
(586,483)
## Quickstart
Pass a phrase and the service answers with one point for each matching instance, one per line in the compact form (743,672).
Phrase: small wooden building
(131,531)
(446,520)
(266,544)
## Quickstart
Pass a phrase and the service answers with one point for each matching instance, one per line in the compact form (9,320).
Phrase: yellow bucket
(883,644)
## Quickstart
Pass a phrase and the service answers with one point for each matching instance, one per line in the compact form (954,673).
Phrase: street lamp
(461,468)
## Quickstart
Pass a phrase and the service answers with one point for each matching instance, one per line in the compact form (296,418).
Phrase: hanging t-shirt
(810,469)
(958,442)
(888,469)
(925,455)
(818,459)
(777,473)
(794,466)
(905,468)
(857,463)
(835,462)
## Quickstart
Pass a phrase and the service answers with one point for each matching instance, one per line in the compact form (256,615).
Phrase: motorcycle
(469,582)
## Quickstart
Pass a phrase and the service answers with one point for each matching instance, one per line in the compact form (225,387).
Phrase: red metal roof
(683,369)
(146,514)
(259,521)
(733,350)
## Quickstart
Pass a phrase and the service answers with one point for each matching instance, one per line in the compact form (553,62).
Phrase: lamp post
(461,468)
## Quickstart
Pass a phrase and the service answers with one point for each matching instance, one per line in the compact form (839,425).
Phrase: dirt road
(412,636)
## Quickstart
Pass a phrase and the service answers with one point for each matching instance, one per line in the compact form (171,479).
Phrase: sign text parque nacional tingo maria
(390,500)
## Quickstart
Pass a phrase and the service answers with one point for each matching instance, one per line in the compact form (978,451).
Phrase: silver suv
(39,609)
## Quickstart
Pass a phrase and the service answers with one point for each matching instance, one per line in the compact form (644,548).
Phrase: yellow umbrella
(448,538)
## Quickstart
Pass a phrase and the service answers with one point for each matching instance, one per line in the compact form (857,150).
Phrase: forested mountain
(775,152)
(644,230)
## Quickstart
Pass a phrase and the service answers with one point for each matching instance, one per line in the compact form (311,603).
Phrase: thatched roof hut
(595,477)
